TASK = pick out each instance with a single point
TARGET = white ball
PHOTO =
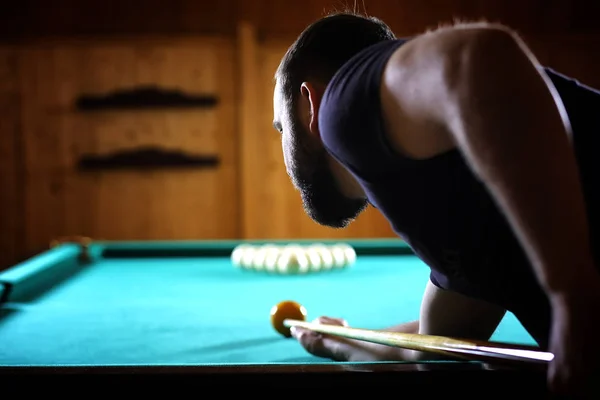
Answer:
(315, 260)
(303, 262)
(258, 258)
(248, 257)
(349, 253)
(325, 255)
(272, 256)
(294, 248)
(238, 254)
(269, 253)
(293, 261)
(339, 257)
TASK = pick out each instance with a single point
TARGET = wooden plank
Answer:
(177, 204)
(250, 141)
(42, 150)
(166, 204)
(276, 18)
(10, 160)
(576, 56)
(29, 18)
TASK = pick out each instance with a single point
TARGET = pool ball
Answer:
(315, 260)
(271, 259)
(286, 310)
(259, 257)
(324, 254)
(348, 251)
(237, 255)
(248, 257)
(293, 260)
(339, 256)
(270, 256)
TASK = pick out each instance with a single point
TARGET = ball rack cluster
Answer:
(293, 258)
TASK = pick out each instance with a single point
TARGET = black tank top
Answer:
(442, 211)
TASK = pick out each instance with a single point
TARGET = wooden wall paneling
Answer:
(166, 204)
(584, 16)
(527, 15)
(280, 18)
(276, 18)
(11, 211)
(57, 203)
(28, 18)
(538, 46)
(577, 56)
(251, 148)
(97, 68)
(45, 161)
(280, 214)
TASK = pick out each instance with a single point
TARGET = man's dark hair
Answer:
(324, 46)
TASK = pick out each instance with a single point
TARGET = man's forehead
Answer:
(277, 88)
(277, 98)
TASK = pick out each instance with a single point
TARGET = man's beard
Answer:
(322, 199)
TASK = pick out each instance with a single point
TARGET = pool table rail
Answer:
(433, 378)
(26, 280)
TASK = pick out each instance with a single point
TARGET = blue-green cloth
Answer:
(203, 311)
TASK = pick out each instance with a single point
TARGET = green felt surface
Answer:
(201, 310)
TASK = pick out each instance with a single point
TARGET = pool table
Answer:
(155, 310)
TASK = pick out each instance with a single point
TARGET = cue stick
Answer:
(467, 349)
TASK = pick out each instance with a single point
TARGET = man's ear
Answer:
(313, 94)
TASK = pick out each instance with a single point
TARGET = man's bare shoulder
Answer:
(418, 83)
(443, 44)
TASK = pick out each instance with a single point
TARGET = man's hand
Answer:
(575, 370)
(332, 347)
(344, 349)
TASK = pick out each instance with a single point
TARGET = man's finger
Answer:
(319, 345)
(331, 321)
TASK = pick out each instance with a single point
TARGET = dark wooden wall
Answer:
(52, 52)
(280, 17)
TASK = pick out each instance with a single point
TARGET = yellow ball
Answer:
(286, 310)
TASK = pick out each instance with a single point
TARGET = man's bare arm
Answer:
(442, 313)
(445, 313)
(479, 89)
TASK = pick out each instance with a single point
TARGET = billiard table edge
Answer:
(433, 378)
(26, 280)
